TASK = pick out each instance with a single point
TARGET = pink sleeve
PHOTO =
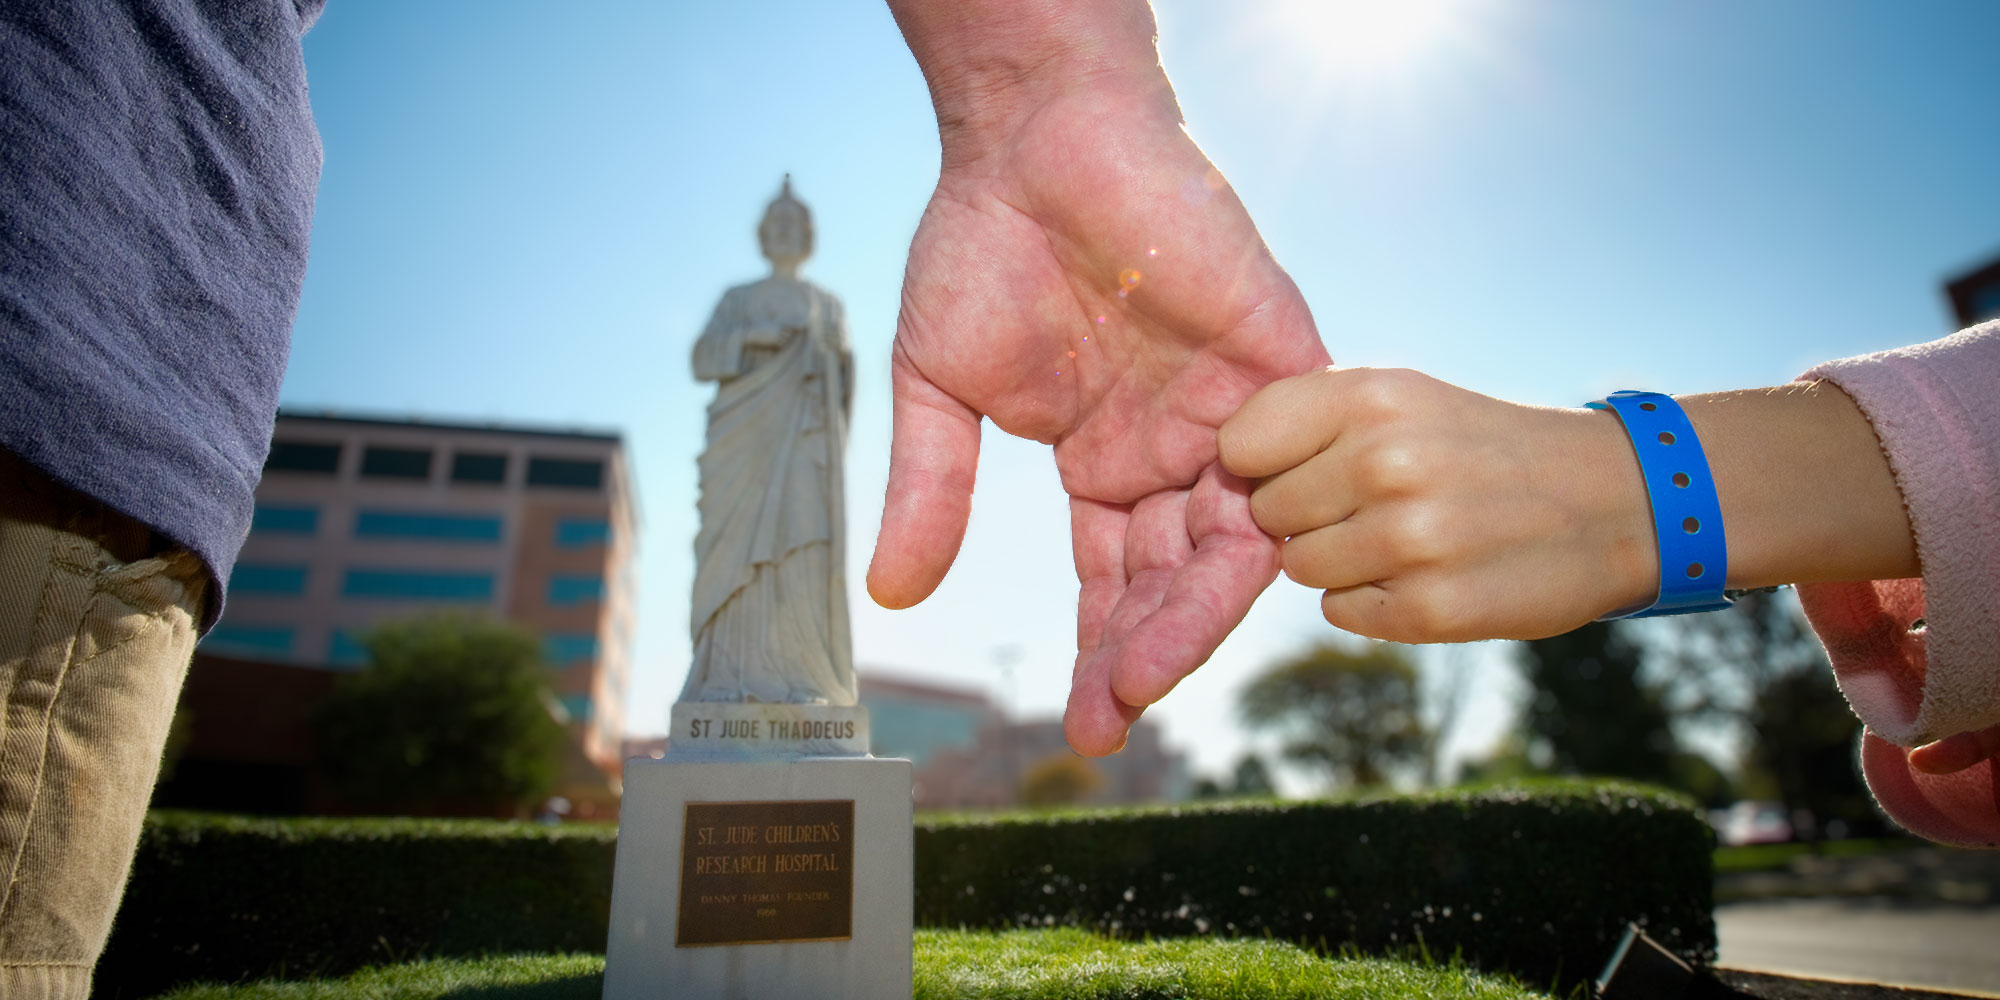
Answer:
(1919, 660)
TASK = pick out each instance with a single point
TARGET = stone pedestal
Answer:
(747, 869)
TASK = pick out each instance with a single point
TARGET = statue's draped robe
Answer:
(770, 597)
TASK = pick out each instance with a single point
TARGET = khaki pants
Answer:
(97, 621)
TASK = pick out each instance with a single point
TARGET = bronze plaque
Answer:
(762, 872)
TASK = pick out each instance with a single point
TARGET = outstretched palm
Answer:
(1093, 284)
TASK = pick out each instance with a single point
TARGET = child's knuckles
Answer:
(1415, 536)
(1381, 395)
(1390, 467)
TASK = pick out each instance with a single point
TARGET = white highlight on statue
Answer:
(770, 594)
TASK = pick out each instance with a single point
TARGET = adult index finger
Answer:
(933, 456)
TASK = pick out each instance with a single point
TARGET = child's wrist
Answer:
(1683, 505)
(1624, 549)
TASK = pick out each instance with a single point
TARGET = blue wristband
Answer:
(1687, 516)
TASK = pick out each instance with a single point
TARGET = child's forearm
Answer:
(1807, 495)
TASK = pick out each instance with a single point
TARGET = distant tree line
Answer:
(1614, 699)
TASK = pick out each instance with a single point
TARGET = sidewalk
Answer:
(1927, 917)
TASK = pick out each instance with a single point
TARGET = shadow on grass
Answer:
(586, 987)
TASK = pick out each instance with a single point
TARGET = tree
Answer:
(452, 715)
(1353, 716)
(1757, 667)
(1592, 713)
(1061, 778)
(1253, 779)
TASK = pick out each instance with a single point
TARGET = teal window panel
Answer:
(564, 648)
(575, 588)
(577, 705)
(416, 585)
(582, 532)
(427, 526)
(257, 578)
(249, 640)
(285, 520)
(344, 650)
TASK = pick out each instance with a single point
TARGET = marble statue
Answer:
(770, 596)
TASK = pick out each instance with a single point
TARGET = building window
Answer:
(562, 649)
(252, 578)
(396, 463)
(413, 585)
(344, 650)
(472, 467)
(578, 707)
(431, 527)
(285, 520)
(569, 473)
(582, 532)
(566, 589)
(248, 640)
(298, 456)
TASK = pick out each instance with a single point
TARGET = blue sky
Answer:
(528, 210)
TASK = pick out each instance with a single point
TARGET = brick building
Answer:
(967, 753)
(362, 520)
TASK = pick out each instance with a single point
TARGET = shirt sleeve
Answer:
(1919, 659)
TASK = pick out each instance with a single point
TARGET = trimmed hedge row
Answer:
(224, 898)
(1536, 881)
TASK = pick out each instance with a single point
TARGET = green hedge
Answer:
(225, 899)
(1536, 881)
(1539, 882)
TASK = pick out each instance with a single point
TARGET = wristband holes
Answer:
(1695, 571)
(1691, 525)
(1649, 407)
(1681, 480)
(1666, 437)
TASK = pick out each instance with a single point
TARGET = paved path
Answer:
(1877, 939)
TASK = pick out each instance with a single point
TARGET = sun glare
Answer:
(1368, 44)
(1371, 37)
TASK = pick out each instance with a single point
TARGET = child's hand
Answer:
(1429, 513)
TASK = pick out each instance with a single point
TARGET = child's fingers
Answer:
(1348, 554)
(1318, 492)
(1404, 611)
(1284, 424)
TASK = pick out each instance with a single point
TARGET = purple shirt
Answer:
(157, 168)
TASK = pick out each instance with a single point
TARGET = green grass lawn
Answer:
(1057, 964)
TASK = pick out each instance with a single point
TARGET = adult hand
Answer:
(1083, 276)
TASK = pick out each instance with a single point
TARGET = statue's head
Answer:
(786, 233)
